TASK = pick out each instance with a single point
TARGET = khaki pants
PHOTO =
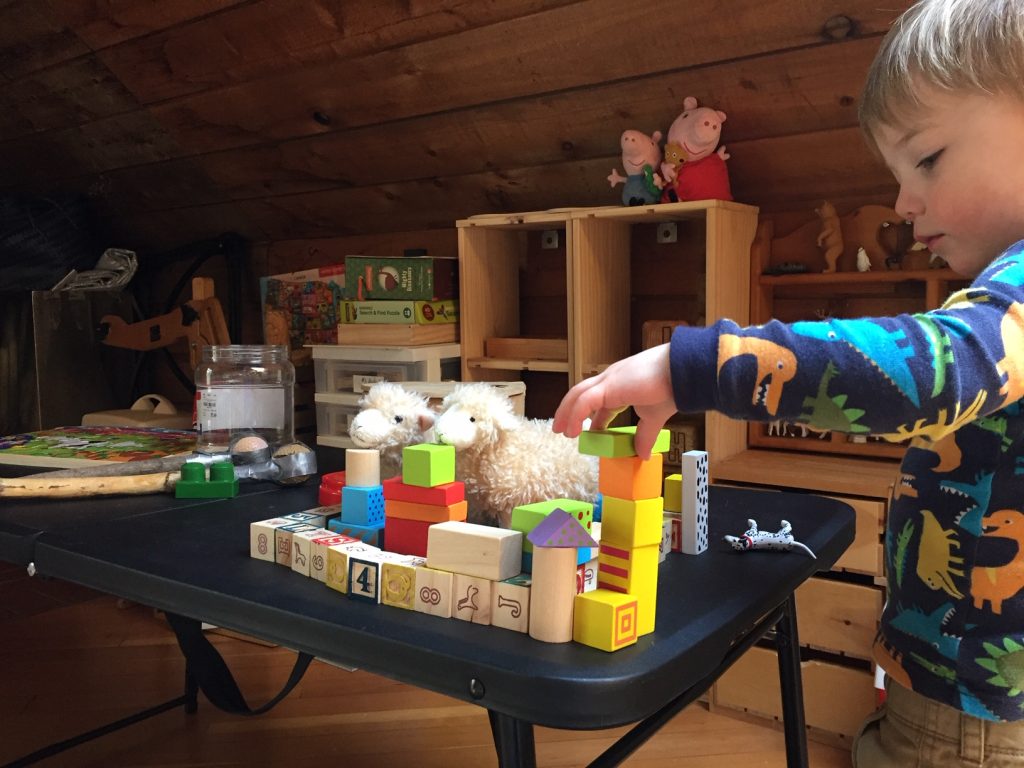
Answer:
(911, 731)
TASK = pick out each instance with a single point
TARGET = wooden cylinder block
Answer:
(552, 594)
(362, 467)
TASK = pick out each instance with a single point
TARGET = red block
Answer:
(406, 537)
(439, 496)
(330, 488)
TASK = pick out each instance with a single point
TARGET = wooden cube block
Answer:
(528, 516)
(368, 534)
(604, 619)
(428, 465)
(318, 554)
(407, 537)
(586, 577)
(510, 603)
(471, 599)
(695, 502)
(627, 524)
(475, 550)
(431, 513)
(398, 582)
(302, 546)
(337, 563)
(362, 506)
(434, 591)
(673, 493)
(666, 539)
(313, 517)
(675, 520)
(362, 467)
(635, 572)
(441, 495)
(283, 541)
(630, 477)
(616, 442)
(364, 577)
(262, 538)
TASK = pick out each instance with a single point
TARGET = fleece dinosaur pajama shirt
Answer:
(950, 380)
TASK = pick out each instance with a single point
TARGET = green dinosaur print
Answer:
(827, 413)
(941, 346)
(1006, 664)
(900, 553)
(939, 670)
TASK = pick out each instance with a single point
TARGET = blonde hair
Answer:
(954, 45)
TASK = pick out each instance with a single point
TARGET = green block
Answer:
(617, 442)
(193, 484)
(428, 464)
(528, 516)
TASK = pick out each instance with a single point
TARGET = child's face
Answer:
(959, 160)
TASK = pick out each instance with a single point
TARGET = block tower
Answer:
(686, 504)
(426, 493)
(631, 531)
(362, 498)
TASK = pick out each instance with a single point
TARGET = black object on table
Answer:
(190, 559)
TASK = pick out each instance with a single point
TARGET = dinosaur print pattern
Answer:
(951, 383)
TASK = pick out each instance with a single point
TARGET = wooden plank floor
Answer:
(71, 660)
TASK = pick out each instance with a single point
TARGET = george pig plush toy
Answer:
(695, 170)
(641, 156)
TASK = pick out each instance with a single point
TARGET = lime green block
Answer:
(428, 464)
(528, 516)
(617, 442)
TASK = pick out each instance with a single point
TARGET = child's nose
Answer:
(909, 205)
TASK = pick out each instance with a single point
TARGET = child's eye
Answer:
(929, 162)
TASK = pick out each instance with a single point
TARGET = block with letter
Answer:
(475, 550)
(318, 554)
(428, 465)
(628, 523)
(586, 577)
(616, 442)
(471, 598)
(283, 539)
(434, 592)
(666, 539)
(695, 502)
(364, 577)
(302, 548)
(262, 538)
(630, 477)
(510, 603)
(338, 562)
(398, 582)
(604, 619)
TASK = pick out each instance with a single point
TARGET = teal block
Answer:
(366, 533)
(528, 516)
(617, 442)
(428, 464)
(363, 506)
(194, 483)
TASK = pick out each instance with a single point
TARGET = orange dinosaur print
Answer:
(1012, 330)
(994, 585)
(775, 366)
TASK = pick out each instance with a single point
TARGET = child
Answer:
(944, 106)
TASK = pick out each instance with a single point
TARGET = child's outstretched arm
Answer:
(643, 381)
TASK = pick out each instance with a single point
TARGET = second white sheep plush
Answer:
(506, 460)
(391, 417)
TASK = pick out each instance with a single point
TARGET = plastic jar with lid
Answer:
(246, 389)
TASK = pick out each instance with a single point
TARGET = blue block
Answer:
(371, 535)
(363, 506)
(597, 508)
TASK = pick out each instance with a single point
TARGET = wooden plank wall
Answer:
(315, 127)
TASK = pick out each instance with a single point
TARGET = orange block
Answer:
(630, 477)
(431, 513)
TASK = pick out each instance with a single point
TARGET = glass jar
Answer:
(244, 389)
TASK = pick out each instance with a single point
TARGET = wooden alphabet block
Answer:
(362, 468)
(398, 582)
(434, 591)
(363, 506)
(364, 578)
(630, 477)
(673, 493)
(666, 539)
(302, 546)
(604, 619)
(318, 554)
(262, 538)
(510, 603)
(283, 541)
(428, 465)
(337, 563)
(586, 577)
(312, 516)
(442, 495)
(431, 513)
(617, 442)
(627, 524)
(675, 520)
(471, 599)
(475, 550)
(695, 502)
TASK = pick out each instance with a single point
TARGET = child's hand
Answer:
(643, 381)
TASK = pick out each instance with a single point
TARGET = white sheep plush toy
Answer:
(391, 417)
(506, 460)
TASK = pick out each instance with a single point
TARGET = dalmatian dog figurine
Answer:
(781, 540)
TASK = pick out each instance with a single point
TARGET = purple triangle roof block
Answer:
(560, 529)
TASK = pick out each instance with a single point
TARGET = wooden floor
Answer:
(71, 660)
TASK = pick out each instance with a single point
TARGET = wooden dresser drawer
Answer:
(838, 617)
(865, 554)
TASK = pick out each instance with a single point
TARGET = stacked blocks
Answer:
(526, 517)
(362, 498)
(631, 533)
(194, 483)
(686, 504)
(427, 493)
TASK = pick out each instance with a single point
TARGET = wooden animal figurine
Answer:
(781, 540)
(830, 238)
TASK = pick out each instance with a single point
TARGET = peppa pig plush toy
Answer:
(641, 156)
(695, 170)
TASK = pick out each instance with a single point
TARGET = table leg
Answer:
(191, 691)
(788, 644)
(513, 740)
